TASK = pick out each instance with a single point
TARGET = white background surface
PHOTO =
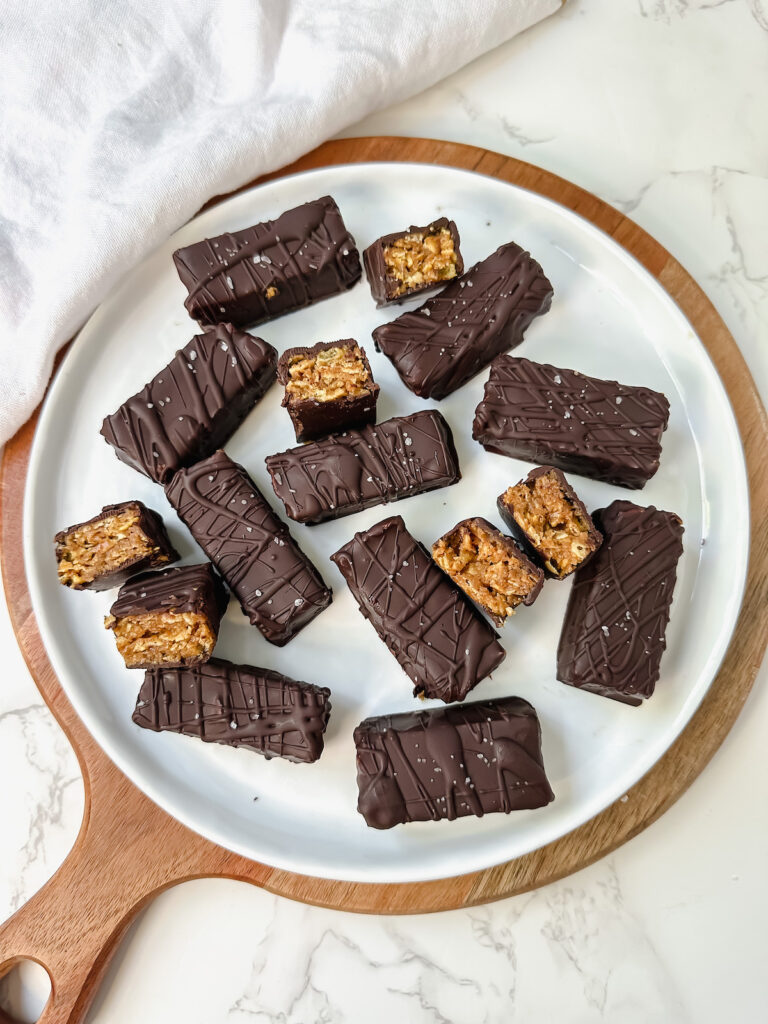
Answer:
(659, 107)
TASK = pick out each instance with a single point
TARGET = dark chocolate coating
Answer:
(447, 763)
(382, 285)
(276, 584)
(439, 346)
(305, 255)
(312, 419)
(613, 635)
(439, 639)
(194, 404)
(349, 472)
(153, 528)
(527, 543)
(598, 428)
(239, 706)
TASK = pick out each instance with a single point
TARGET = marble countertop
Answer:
(658, 106)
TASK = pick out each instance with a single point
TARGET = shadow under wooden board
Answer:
(128, 850)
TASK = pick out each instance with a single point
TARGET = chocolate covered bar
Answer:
(412, 262)
(264, 271)
(448, 763)
(598, 428)
(613, 635)
(439, 346)
(440, 641)
(349, 472)
(122, 540)
(276, 584)
(489, 567)
(194, 404)
(168, 618)
(239, 706)
(544, 514)
(328, 387)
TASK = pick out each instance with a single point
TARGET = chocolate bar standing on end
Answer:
(489, 567)
(278, 588)
(613, 635)
(273, 268)
(449, 339)
(239, 706)
(545, 515)
(328, 387)
(407, 263)
(168, 618)
(103, 552)
(349, 472)
(447, 763)
(598, 428)
(440, 640)
(194, 404)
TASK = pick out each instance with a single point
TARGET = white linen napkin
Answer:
(118, 120)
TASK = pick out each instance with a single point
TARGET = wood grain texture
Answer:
(128, 850)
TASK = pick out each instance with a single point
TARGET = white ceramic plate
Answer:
(609, 318)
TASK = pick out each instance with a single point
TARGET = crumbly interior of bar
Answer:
(418, 260)
(162, 638)
(554, 525)
(329, 374)
(486, 568)
(102, 547)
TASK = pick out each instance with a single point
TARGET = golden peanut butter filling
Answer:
(417, 260)
(103, 547)
(485, 568)
(329, 374)
(554, 525)
(162, 638)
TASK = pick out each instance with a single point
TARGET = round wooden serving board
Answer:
(128, 850)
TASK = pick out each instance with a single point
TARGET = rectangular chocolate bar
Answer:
(349, 472)
(122, 540)
(439, 346)
(440, 641)
(448, 763)
(613, 635)
(329, 387)
(168, 618)
(489, 567)
(264, 271)
(278, 588)
(545, 515)
(598, 428)
(413, 262)
(239, 706)
(194, 404)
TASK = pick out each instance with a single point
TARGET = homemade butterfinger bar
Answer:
(412, 262)
(346, 473)
(277, 586)
(239, 706)
(598, 428)
(328, 387)
(447, 763)
(489, 567)
(194, 404)
(545, 516)
(264, 271)
(168, 618)
(613, 635)
(439, 346)
(122, 540)
(441, 642)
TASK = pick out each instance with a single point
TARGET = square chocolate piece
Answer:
(413, 262)
(329, 387)
(122, 540)
(168, 618)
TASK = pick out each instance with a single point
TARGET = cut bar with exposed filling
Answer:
(417, 260)
(162, 638)
(552, 519)
(488, 567)
(328, 374)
